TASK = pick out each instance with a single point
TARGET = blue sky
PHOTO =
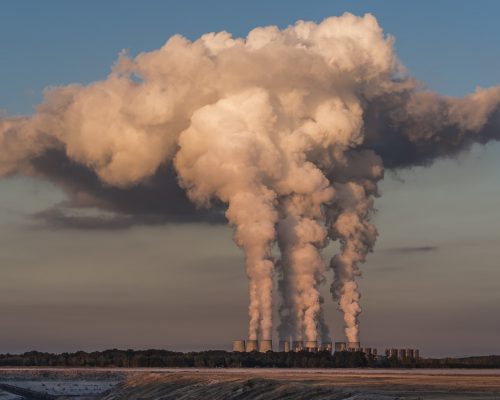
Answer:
(55, 284)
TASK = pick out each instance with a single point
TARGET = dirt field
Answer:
(263, 384)
(318, 384)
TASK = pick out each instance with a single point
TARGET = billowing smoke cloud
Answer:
(288, 131)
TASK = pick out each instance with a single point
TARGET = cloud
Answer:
(410, 249)
(290, 129)
(159, 200)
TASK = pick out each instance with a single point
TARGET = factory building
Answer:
(264, 346)
(368, 351)
(313, 346)
(401, 354)
(354, 346)
(340, 346)
(326, 347)
(297, 345)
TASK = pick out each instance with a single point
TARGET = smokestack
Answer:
(354, 346)
(284, 346)
(340, 346)
(298, 189)
(265, 346)
(252, 345)
(239, 345)
(297, 345)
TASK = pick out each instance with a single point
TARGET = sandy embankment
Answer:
(295, 385)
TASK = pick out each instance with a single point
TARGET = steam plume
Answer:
(289, 129)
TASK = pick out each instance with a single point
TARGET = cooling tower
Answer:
(284, 345)
(239, 345)
(355, 346)
(401, 353)
(367, 351)
(297, 345)
(265, 346)
(311, 346)
(340, 346)
(252, 345)
(416, 353)
(410, 353)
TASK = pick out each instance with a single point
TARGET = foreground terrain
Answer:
(254, 384)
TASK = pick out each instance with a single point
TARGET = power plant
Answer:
(354, 346)
(340, 346)
(252, 345)
(239, 346)
(265, 346)
(402, 354)
(286, 346)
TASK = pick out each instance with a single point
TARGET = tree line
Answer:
(222, 359)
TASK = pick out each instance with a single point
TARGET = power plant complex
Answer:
(286, 346)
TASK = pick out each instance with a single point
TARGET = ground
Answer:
(258, 384)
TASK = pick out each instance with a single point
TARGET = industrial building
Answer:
(286, 346)
(264, 346)
(402, 354)
(340, 346)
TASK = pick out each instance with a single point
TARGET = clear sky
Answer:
(433, 281)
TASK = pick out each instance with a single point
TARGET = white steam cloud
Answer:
(291, 129)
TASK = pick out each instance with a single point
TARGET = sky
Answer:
(432, 282)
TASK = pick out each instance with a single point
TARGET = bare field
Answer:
(263, 384)
(319, 384)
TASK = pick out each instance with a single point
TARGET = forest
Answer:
(222, 359)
